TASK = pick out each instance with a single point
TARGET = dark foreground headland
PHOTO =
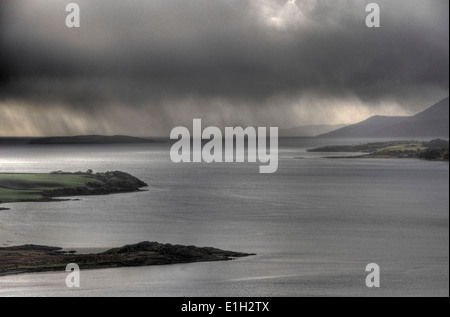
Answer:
(32, 258)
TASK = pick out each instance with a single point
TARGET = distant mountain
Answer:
(309, 130)
(91, 139)
(433, 122)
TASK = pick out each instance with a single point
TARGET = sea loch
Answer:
(213, 150)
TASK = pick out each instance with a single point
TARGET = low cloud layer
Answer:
(142, 67)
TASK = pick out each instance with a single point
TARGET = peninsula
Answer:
(46, 187)
(32, 258)
(435, 150)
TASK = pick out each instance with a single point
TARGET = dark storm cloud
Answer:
(147, 54)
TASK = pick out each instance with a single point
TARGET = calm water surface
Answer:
(314, 225)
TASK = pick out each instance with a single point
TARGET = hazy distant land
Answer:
(309, 130)
(32, 258)
(91, 139)
(44, 187)
(436, 150)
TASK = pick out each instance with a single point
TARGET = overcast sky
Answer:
(142, 67)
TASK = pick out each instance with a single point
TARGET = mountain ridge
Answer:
(432, 122)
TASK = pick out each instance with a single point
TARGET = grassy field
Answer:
(435, 150)
(394, 146)
(403, 147)
(29, 187)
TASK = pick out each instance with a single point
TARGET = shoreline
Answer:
(56, 200)
(47, 187)
(435, 150)
(374, 156)
(38, 259)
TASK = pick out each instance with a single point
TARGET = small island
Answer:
(435, 150)
(46, 187)
(33, 258)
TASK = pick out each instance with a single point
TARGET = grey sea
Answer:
(314, 225)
